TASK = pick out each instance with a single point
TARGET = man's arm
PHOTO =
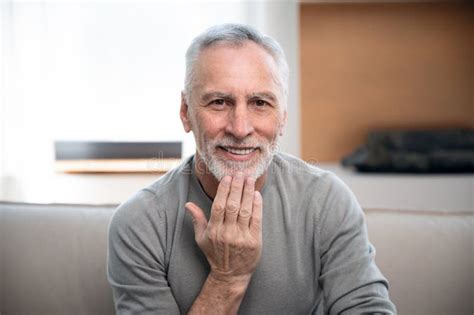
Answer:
(351, 281)
(231, 242)
(136, 266)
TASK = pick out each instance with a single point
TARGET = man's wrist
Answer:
(232, 283)
(221, 294)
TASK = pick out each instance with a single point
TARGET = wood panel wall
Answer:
(373, 65)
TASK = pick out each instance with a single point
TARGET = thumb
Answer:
(199, 219)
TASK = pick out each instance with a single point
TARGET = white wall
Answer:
(3, 22)
(104, 70)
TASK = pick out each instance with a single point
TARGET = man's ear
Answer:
(283, 122)
(184, 113)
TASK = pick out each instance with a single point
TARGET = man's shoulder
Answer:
(161, 196)
(299, 175)
(173, 181)
(294, 167)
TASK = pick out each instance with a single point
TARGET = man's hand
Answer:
(231, 240)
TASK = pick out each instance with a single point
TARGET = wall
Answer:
(108, 71)
(382, 65)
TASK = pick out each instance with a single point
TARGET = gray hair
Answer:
(235, 34)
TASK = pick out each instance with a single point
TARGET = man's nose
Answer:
(240, 124)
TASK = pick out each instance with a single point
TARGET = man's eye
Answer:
(261, 103)
(219, 102)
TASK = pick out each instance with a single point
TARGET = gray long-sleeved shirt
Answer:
(316, 258)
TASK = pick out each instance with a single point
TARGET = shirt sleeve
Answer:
(350, 279)
(136, 260)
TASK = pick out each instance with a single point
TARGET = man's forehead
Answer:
(230, 46)
(235, 71)
(244, 50)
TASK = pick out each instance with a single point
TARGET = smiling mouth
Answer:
(238, 151)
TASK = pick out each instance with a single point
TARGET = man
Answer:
(264, 232)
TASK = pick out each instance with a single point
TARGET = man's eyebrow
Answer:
(214, 94)
(211, 95)
(265, 95)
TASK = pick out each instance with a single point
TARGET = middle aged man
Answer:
(265, 232)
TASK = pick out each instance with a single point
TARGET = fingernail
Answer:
(258, 195)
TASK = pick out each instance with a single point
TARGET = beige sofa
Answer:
(53, 259)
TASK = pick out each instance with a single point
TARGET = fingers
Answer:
(237, 201)
(199, 219)
(256, 219)
(247, 203)
(234, 200)
(219, 204)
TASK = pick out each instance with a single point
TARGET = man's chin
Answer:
(220, 166)
(247, 172)
(252, 169)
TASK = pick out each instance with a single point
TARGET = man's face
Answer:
(235, 109)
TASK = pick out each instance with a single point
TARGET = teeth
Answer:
(240, 151)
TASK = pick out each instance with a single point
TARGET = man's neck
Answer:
(209, 183)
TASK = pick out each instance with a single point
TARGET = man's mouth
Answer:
(239, 151)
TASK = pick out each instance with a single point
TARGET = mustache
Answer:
(232, 142)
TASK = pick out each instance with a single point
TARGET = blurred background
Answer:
(111, 72)
(108, 71)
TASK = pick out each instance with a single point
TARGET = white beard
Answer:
(253, 168)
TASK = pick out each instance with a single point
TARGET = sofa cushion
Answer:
(53, 259)
(427, 256)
